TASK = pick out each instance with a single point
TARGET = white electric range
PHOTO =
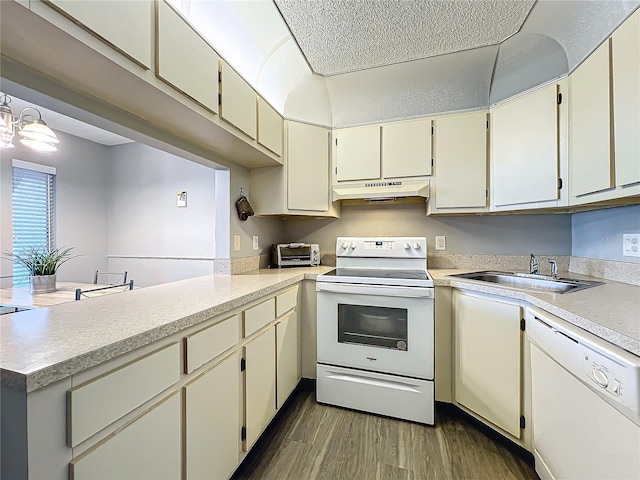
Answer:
(376, 328)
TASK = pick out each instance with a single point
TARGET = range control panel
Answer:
(382, 247)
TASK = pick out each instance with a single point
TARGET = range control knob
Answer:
(600, 377)
(353, 246)
(344, 245)
(406, 246)
(416, 246)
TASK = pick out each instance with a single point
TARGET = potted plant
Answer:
(42, 264)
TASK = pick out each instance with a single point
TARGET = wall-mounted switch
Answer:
(631, 244)
(255, 242)
(441, 242)
(236, 243)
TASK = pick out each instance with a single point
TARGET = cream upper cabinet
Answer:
(149, 448)
(357, 153)
(238, 102)
(270, 127)
(626, 100)
(487, 359)
(125, 24)
(590, 125)
(185, 60)
(259, 384)
(212, 427)
(460, 161)
(406, 149)
(308, 161)
(524, 149)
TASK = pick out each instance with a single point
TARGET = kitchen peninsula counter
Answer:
(610, 311)
(41, 346)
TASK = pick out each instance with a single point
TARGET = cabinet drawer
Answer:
(286, 301)
(210, 342)
(99, 402)
(256, 317)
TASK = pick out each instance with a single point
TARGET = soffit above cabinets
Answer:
(343, 36)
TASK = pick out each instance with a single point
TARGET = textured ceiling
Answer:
(341, 36)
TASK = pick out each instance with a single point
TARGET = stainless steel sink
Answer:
(538, 283)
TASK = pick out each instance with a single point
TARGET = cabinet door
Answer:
(239, 101)
(125, 24)
(487, 359)
(212, 432)
(358, 153)
(406, 149)
(308, 167)
(147, 448)
(188, 64)
(626, 100)
(259, 384)
(524, 163)
(460, 145)
(270, 127)
(591, 166)
(287, 358)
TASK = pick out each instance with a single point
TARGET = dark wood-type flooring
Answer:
(309, 441)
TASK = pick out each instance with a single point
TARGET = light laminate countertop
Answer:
(44, 345)
(610, 311)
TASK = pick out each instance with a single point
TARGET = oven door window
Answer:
(382, 327)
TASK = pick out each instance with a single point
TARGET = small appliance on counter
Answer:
(295, 255)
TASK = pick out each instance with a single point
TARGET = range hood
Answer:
(381, 190)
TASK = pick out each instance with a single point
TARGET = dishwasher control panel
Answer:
(604, 372)
(607, 369)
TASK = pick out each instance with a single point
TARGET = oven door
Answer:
(379, 328)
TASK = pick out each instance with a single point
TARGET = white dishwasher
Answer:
(585, 403)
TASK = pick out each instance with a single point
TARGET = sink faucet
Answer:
(534, 265)
(554, 268)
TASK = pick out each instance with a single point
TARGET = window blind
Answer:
(33, 215)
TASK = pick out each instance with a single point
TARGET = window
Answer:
(33, 209)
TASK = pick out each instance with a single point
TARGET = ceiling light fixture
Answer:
(30, 126)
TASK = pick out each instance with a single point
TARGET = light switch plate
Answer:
(255, 242)
(236, 243)
(441, 242)
(631, 244)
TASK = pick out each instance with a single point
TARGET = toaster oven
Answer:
(295, 254)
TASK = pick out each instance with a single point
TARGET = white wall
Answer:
(489, 234)
(149, 235)
(81, 202)
(269, 230)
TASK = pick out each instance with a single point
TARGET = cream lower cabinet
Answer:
(259, 384)
(288, 372)
(212, 414)
(148, 448)
(487, 359)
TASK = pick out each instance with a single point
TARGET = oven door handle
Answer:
(377, 290)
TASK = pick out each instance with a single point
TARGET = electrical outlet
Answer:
(236, 243)
(255, 242)
(441, 242)
(631, 244)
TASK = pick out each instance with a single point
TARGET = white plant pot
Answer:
(43, 283)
